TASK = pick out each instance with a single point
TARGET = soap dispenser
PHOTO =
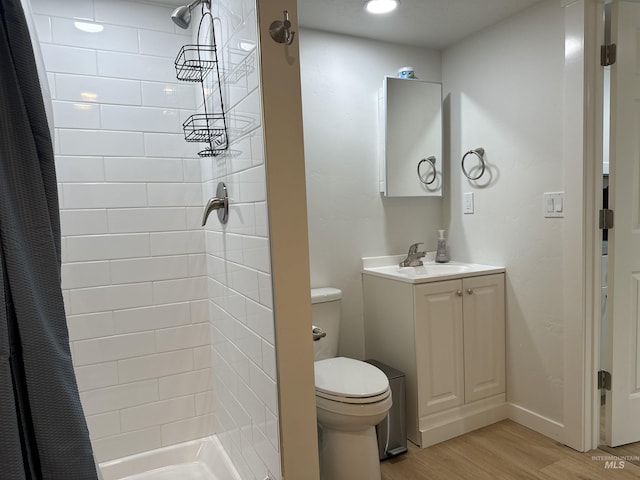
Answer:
(442, 254)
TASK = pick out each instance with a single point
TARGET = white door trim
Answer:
(583, 35)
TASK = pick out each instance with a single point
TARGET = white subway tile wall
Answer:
(172, 327)
(245, 406)
(134, 270)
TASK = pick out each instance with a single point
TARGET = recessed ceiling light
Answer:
(381, 6)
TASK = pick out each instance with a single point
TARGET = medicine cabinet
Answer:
(411, 150)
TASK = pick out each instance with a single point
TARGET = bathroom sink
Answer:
(428, 272)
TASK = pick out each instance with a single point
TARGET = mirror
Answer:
(412, 149)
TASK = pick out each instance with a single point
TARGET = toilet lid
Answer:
(346, 377)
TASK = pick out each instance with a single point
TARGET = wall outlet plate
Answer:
(553, 204)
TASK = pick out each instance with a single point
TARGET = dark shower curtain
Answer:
(43, 434)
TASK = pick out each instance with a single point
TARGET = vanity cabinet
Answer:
(449, 338)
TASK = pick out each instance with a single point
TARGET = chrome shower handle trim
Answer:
(220, 203)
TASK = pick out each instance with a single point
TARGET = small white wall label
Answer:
(553, 204)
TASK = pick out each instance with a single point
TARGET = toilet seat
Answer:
(347, 380)
(349, 412)
(355, 400)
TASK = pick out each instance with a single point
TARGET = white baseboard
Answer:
(451, 423)
(534, 421)
(438, 427)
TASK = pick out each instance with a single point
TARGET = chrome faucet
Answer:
(413, 257)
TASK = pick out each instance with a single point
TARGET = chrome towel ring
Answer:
(478, 152)
(431, 161)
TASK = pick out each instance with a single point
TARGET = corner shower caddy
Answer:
(193, 64)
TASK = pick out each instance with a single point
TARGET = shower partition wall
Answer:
(245, 402)
(153, 301)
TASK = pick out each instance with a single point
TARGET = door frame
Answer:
(592, 12)
(582, 168)
(593, 206)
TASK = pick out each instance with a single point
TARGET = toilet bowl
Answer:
(351, 398)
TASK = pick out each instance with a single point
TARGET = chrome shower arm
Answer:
(195, 3)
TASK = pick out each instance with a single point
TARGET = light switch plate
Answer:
(553, 204)
(467, 203)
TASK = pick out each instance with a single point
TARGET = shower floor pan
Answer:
(203, 459)
(193, 471)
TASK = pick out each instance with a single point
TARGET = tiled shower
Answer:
(171, 324)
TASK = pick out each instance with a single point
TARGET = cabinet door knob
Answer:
(469, 291)
(459, 293)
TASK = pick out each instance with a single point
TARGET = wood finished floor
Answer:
(503, 451)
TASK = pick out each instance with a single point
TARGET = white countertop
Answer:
(388, 267)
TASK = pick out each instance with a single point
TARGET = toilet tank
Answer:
(325, 314)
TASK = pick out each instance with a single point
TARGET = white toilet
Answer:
(352, 397)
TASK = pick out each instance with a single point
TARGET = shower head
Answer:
(181, 16)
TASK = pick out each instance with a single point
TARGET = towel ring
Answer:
(431, 161)
(478, 152)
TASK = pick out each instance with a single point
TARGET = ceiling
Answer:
(426, 23)
(172, 3)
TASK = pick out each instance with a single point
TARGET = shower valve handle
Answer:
(220, 203)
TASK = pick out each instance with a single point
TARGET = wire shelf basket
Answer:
(207, 128)
(194, 62)
(211, 152)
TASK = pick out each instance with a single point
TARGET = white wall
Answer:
(348, 217)
(503, 91)
(245, 401)
(133, 253)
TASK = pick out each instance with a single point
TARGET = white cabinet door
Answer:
(439, 344)
(484, 336)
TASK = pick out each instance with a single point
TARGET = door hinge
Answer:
(604, 380)
(606, 219)
(608, 55)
